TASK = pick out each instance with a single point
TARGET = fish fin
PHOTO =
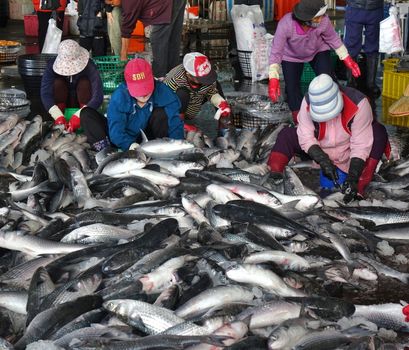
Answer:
(144, 137)
(290, 205)
(264, 179)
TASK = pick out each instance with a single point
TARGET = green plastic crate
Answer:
(308, 73)
(111, 69)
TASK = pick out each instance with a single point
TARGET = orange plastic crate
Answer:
(282, 7)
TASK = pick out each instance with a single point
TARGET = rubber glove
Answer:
(61, 121)
(353, 66)
(274, 89)
(58, 116)
(350, 186)
(224, 109)
(74, 123)
(133, 146)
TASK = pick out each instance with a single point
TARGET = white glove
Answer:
(133, 146)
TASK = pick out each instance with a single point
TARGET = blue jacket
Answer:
(90, 71)
(126, 118)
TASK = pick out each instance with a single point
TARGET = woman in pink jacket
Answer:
(337, 130)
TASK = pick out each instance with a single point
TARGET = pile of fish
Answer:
(193, 244)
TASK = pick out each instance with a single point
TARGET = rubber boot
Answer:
(277, 162)
(372, 89)
(100, 145)
(295, 117)
(367, 175)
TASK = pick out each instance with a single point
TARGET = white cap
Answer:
(198, 65)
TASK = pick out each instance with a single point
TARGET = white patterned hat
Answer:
(71, 58)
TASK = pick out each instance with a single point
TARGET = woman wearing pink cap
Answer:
(141, 103)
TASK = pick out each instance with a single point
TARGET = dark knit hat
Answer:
(306, 10)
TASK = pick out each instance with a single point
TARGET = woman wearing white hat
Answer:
(71, 80)
(337, 130)
(305, 35)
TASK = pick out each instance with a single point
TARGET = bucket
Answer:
(31, 68)
(329, 184)
(245, 62)
(68, 113)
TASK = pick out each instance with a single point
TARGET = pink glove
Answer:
(74, 123)
(61, 121)
(274, 89)
(353, 66)
(224, 109)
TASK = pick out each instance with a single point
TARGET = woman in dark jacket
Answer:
(71, 81)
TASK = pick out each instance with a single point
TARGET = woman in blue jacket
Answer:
(141, 103)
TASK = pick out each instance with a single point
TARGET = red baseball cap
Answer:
(198, 65)
(139, 77)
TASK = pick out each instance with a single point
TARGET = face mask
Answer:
(312, 24)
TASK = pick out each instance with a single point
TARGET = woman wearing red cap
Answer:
(305, 35)
(195, 82)
(141, 103)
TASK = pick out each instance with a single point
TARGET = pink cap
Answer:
(139, 77)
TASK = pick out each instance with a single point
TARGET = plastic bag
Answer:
(390, 36)
(260, 58)
(52, 38)
(248, 25)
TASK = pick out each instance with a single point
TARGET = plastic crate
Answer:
(308, 73)
(394, 83)
(111, 69)
(388, 119)
(31, 25)
(245, 62)
(390, 63)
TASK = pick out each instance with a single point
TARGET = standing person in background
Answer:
(45, 14)
(71, 80)
(92, 25)
(114, 19)
(305, 35)
(166, 18)
(366, 14)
